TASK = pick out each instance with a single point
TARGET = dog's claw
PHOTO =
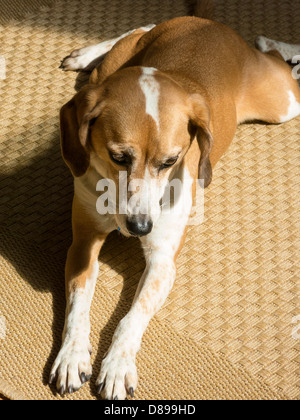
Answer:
(131, 392)
(62, 63)
(83, 378)
(51, 379)
(100, 388)
(62, 390)
(70, 389)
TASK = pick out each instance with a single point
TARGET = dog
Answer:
(163, 102)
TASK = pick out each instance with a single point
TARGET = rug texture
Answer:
(227, 331)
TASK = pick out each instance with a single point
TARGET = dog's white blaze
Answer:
(171, 224)
(153, 193)
(294, 108)
(151, 90)
(146, 200)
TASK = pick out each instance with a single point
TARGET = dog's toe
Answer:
(117, 379)
(72, 368)
(76, 53)
(70, 63)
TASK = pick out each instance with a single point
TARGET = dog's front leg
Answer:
(118, 372)
(72, 367)
(118, 376)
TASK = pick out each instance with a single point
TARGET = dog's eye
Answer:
(120, 159)
(169, 163)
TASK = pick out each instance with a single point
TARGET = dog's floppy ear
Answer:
(75, 118)
(199, 120)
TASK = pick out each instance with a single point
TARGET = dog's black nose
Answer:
(139, 226)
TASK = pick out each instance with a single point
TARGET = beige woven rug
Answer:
(226, 331)
(16, 9)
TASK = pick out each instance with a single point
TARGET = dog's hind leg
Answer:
(271, 92)
(88, 58)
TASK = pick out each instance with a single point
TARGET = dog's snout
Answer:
(139, 226)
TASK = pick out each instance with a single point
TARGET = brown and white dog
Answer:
(163, 103)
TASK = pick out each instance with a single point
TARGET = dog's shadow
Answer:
(35, 211)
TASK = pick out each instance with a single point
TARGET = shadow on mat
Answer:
(35, 213)
(109, 12)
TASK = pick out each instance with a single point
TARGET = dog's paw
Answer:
(264, 44)
(72, 368)
(77, 60)
(118, 377)
(85, 58)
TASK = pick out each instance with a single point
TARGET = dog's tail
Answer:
(204, 9)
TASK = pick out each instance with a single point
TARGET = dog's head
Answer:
(139, 121)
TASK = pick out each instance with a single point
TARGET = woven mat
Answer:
(17, 9)
(225, 332)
